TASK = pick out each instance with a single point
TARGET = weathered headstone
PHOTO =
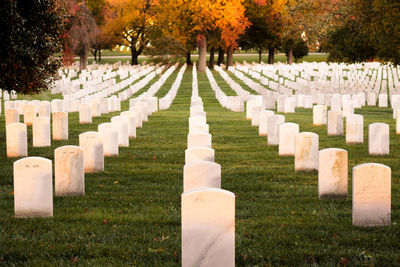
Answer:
(33, 187)
(69, 171)
(208, 228)
(378, 139)
(44, 109)
(17, 140)
(29, 114)
(60, 126)
(287, 133)
(332, 173)
(335, 123)
(92, 144)
(371, 195)
(354, 129)
(319, 115)
(306, 152)
(41, 132)
(11, 115)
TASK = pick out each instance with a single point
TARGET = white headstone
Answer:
(332, 173)
(199, 139)
(199, 153)
(335, 123)
(44, 109)
(60, 126)
(69, 171)
(11, 115)
(319, 115)
(306, 152)
(29, 114)
(208, 228)
(85, 113)
(41, 132)
(371, 195)
(131, 122)
(201, 174)
(17, 140)
(378, 139)
(287, 133)
(354, 129)
(122, 124)
(92, 144)
(33, 187)
(273, 129)
(110, 138)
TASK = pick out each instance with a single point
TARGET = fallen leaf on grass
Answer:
(116, 182)
(156, 250)
(343, 261)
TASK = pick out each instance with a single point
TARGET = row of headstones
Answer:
(208, 212)
(33, 192)
(6, 96)
(371, 204)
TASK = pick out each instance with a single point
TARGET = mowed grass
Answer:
(130, 215)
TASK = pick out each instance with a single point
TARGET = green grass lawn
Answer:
(130, 215)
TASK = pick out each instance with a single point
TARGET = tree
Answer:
(199, 20)
(265, 27)
(29, 37)
(102, 40)
(132, 22)
(83, 31)
(299, 48)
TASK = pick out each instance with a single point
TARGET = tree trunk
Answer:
(290, 57)
(99, 55)
(95, 55)
(260, 55)
(221, 58)
(271, 56)
(83, 60)
(229, 56)
(188, 60)
(134, 57)
(202, 54)
(212, 61)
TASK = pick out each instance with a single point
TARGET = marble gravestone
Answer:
(92, 144)
(199, 153)
(11, 115)
(255, 116)
(383, 100)
(378, 139)
(199, 139)
(33, 187)
(332, 173)
(138, 112)
(122, 125)
(69, 171)
(319, 115)
(335, 123)
(60, 125)
(263, 124)
(201, 174)
(110, 138)
(354, 129)
(371, 195)
(287, 133)
(273, 129)
(44, 109)
(29, 114)
(131, 122)
(208, 228)
(306, 152)
(41, 132)
(199, 127)
(17, 140)
(96, 108)
(85, 113)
